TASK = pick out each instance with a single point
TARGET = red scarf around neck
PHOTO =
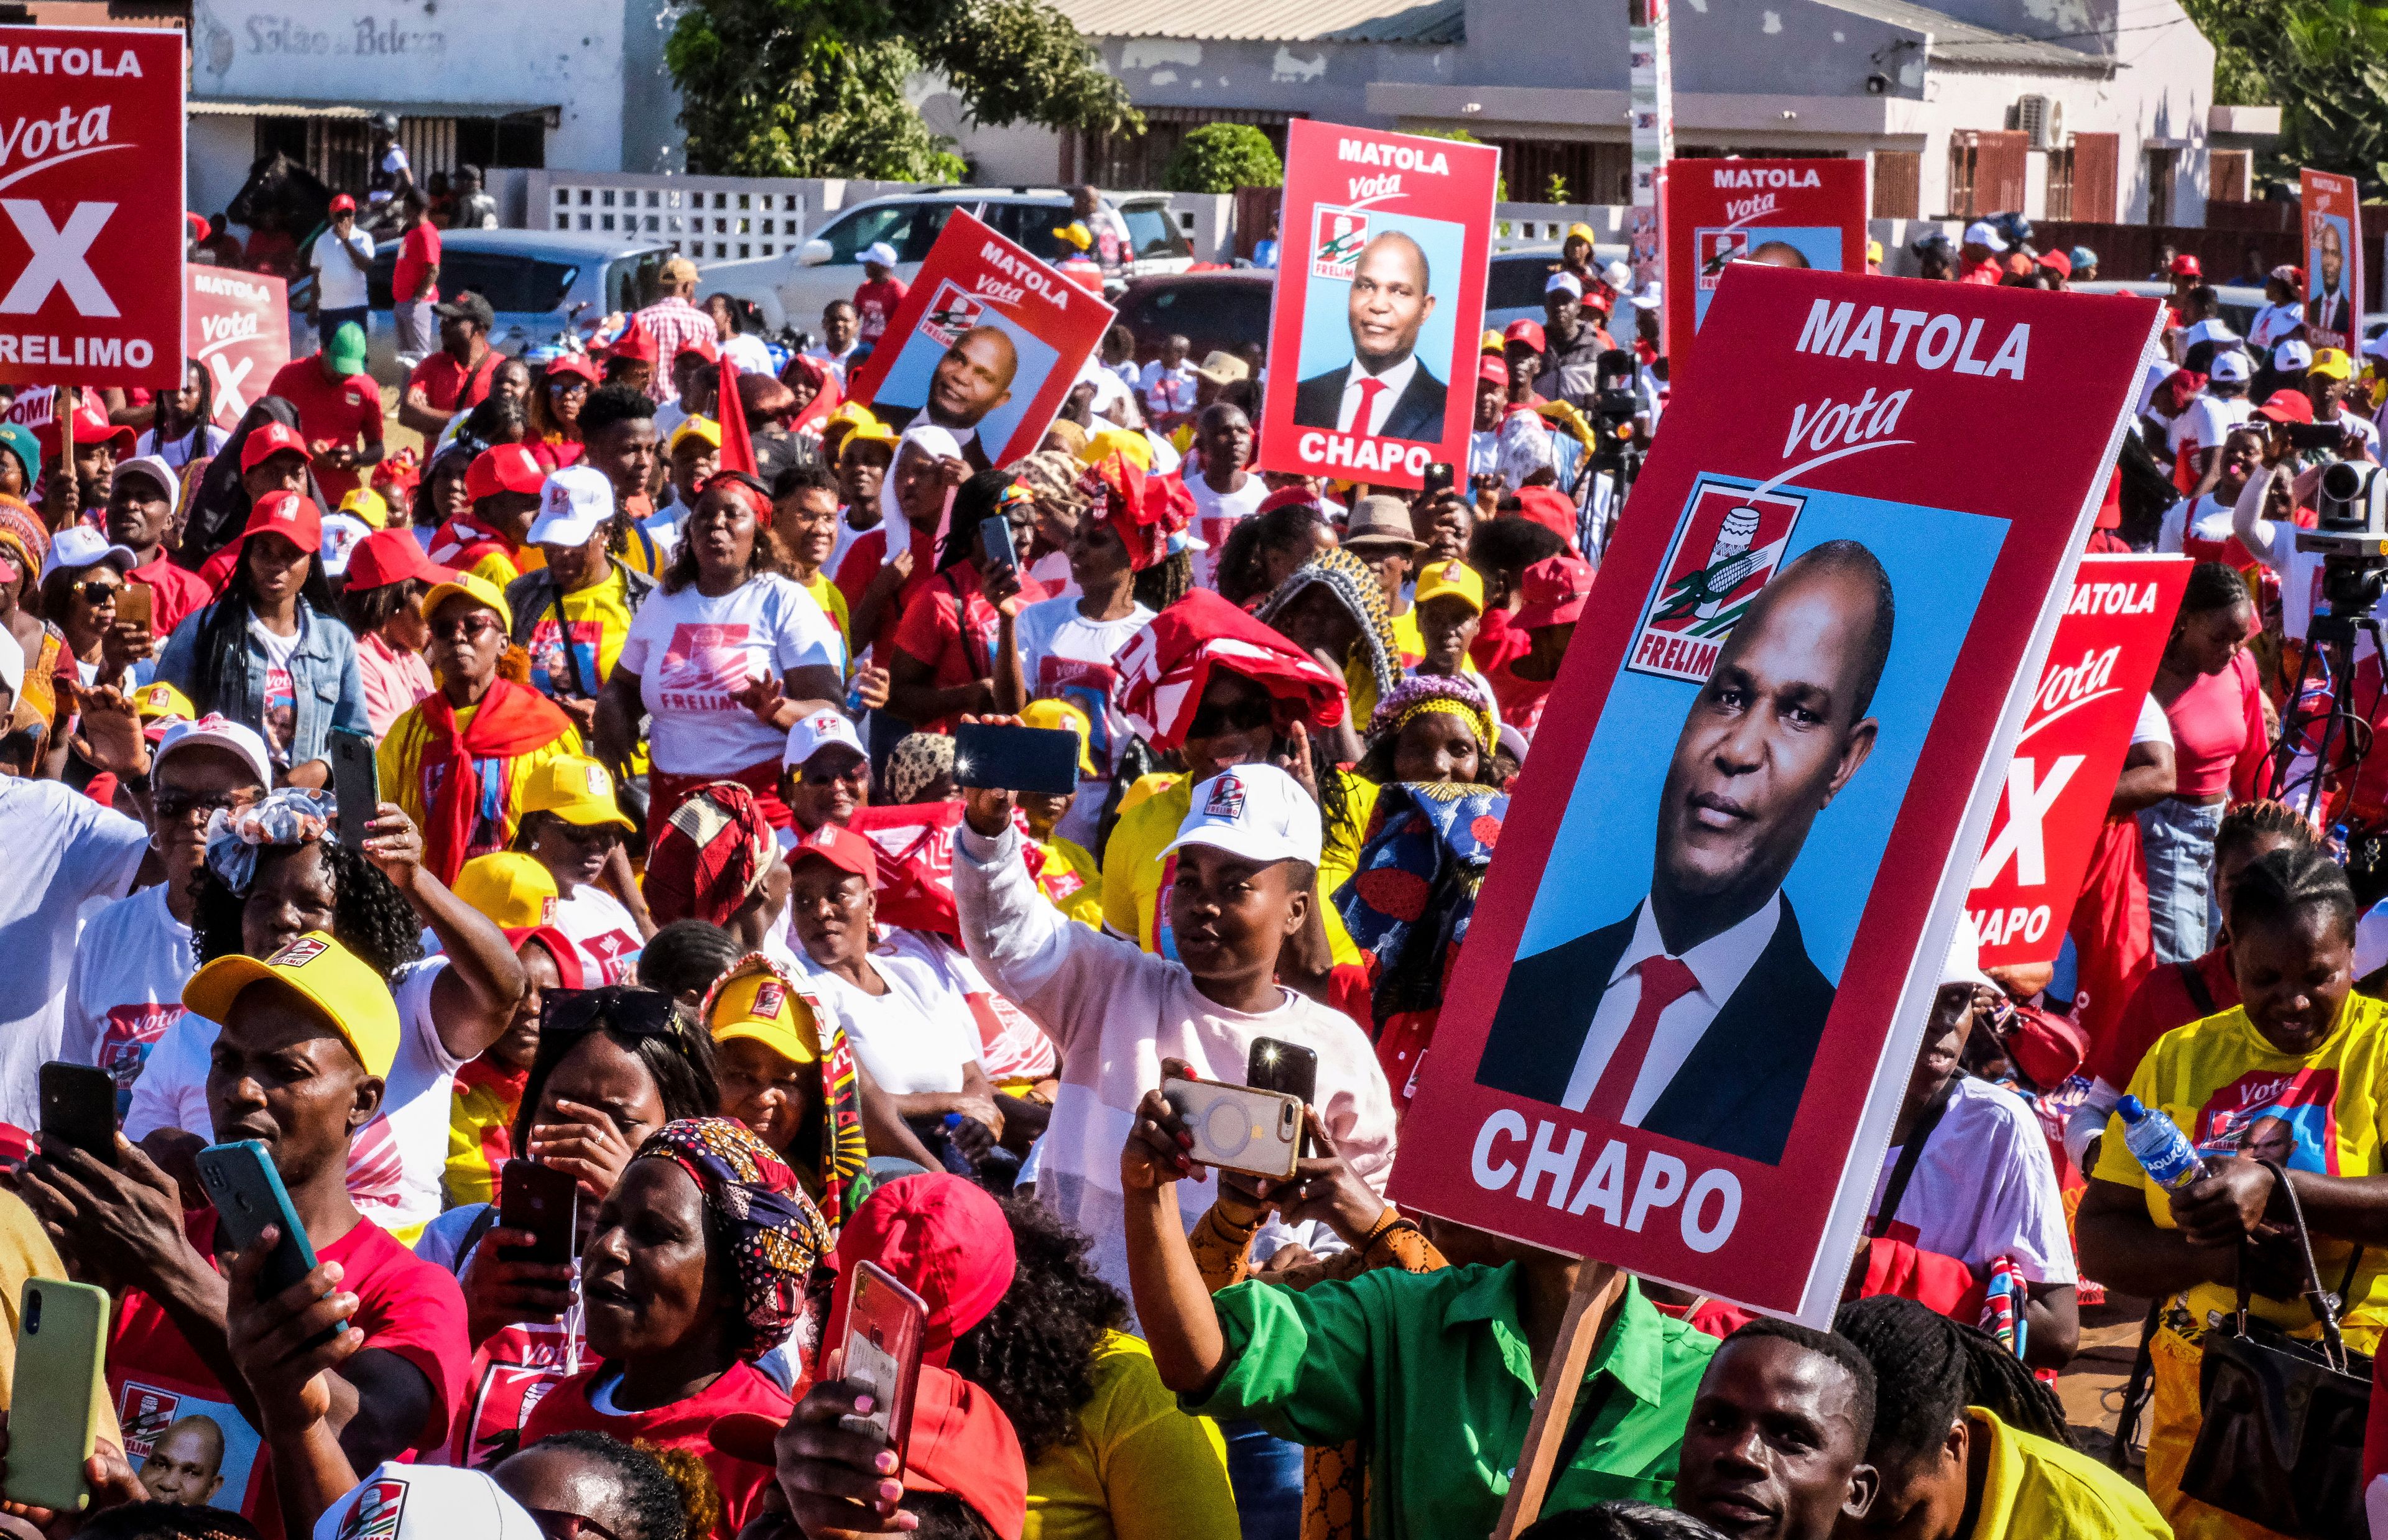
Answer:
(513, 719)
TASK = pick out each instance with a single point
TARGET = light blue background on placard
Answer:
(2313, 262)
(1821, 243)
(908, 379)
(1599, 868)
(1326, 302)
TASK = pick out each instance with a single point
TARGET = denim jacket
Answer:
(329, 688)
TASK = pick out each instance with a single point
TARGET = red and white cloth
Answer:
(1165, 667)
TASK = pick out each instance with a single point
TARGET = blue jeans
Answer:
(2178, 841)
(1266, 1473)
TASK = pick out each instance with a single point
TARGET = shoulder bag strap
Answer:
(2317, 1298)
(2193, 981)
(564, 639)
(982, 666)
(1909, 1154)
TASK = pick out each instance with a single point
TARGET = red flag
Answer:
(737, 448)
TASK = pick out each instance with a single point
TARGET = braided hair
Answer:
(2282, 885)
(646, 1491)
(1165, 581)
(1928, 1369)
(2249, 822)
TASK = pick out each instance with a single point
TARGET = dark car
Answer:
(1217, 311)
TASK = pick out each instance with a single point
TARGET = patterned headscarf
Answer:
(20, 529)
(754, 1207)
(1349, 579)
(1051, 477)
(1146, 511)
(1524, 447)
(714, 851)
(1423, 693)
(917, 759)
(1164, 669)
(293, 815)
(843, 1155)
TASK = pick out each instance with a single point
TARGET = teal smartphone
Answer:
(248, 1196)
(61, 1348)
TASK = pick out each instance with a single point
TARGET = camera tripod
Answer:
(2343, 729)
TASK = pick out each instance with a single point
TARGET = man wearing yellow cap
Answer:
(2327, 380)
(308, 1036)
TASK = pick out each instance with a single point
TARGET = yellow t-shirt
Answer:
(1150, 812)
(832, 602)
(2032, 1488)
(399, 763)
(2220, 1081)
(1410, 639)
(599, 620)
(1140, 1467)
(1085, 903)
(497, 569)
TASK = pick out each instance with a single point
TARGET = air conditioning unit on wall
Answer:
(2041, 121)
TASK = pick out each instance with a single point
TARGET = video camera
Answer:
(1615, 404)
(2350, 534)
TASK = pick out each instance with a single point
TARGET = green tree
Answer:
(2325, 62)
(1461, 136)
(816, 87)
(1220, 158)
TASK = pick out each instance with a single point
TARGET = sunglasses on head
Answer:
(1247, 716)
(617, 1007)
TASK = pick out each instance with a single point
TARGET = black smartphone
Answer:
(995, 542)
(1440, 478)
(356, 785)
(544, 1201)
(79, 1107)
(1277, 1065)
(998, 756)
(2316, 436)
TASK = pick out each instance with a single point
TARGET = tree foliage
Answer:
(1220, 158)
(2325, 62)
(816, 87)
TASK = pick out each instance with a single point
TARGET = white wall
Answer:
(218, 153)
(2162, 94)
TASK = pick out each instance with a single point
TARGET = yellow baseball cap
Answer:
(1106, 442)
(1451, 580)
(510, 887)
(162, 703)
(765, 1007)
(1492, 342)
(368, 505)
(872, 431)
(2331, 363)
(704, 428)
(577, 790)
(479, 590)
(1075, 234)
(1053, 714)
(352, 997)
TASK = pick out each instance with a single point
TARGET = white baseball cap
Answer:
(221, 732)
(80, 546)
(1254, 811)
(822, 729)
(2230, 368)
(2293, 355)
(1618, 276)
(426, 1502)
(2212, 329)
(1649, 298)
(573, 504)
(1983, 233)
(1564, 280)
(1964, 964)
(156, 468)
(881, 253)
(12, 668)
(342, 534)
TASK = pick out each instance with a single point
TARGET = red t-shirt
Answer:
(348, 412)
(863, 559)
(177, 593)
(405, 1305)
(418, 252)
(682, 1425)
(448, 386)
(933, 632)
(875, 304)
(2160, 1004)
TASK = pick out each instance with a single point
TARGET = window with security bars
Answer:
(719, 224)
(339, 150)
(1124, 161)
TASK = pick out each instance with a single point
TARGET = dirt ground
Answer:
(2092, 1387)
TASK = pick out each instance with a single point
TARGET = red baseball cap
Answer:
(1548, 507)
(942, 1237)
(389, 556)
(1493, 368)
(266, 441)
(503, 468)
(2287, 405)
(290, 516)
(2185, 266)
(343, 204)
(635, 342)
(842, 848)
(1527, 332)
(1554, 591)
(961, 1444)
(575, 365)
(91, 427)
(2057, 263)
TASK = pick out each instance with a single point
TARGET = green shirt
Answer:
(1432, 1372)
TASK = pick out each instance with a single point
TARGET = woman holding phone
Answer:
(955, 648)
(695, 1270)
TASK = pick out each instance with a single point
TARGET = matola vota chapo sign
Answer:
(1384, 240)
(91, 205)
(1703, 961)
(1786, 213)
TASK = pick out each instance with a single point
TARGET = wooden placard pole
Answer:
(1597, 1285)
(62, 412)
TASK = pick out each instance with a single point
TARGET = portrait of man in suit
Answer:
(1386, 391)
(2325, 311)
(1696, 1015)
(972, 379)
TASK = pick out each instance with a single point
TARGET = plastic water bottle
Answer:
(2162, 1150)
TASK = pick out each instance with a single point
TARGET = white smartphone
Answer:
(1237, 1128)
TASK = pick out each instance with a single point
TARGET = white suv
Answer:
(793, 288)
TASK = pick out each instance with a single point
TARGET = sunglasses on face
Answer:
(639, 1013)
(174, 806)
(97, 592)
(586, 835)
(1249, 715)
(465, 629)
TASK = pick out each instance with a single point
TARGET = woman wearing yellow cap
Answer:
(573, 825)
(788, 1074)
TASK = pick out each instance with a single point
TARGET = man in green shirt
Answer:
(1436, 1373)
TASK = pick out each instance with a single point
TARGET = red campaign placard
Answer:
(2062, 777)
(239, 328)
(988, 340)
(2333, 212)
(1701, 966)
(91, 205)
(1788, 213)
(1379, 304)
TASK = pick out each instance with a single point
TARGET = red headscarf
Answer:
(1165, 667)
(710, 855)
(1143, 509)
(2180, 388)
(514, 719)
(826, 397)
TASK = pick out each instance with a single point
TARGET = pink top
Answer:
(2217, 733)
(394, 681)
